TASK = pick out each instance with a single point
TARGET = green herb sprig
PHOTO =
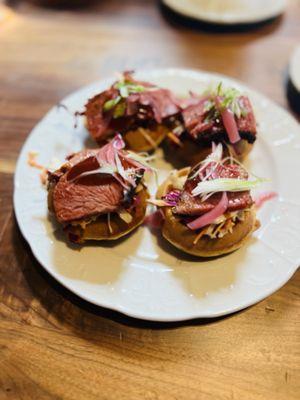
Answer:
(125, 88)
(229, 99)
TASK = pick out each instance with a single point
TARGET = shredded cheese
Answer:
(31, 160)
(32, 155)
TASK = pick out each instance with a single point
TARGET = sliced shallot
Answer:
(263, 197)
(211, 216)
(228, 121)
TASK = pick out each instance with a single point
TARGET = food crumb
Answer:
(31, 160)
(269, 309)
(286, 376)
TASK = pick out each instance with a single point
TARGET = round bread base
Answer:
(135, 140)
(192, 153)
(182, 237)
(152, 138)
(99, 229)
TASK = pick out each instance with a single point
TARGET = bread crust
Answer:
(183, 238)
(137, 141)
(192, 153)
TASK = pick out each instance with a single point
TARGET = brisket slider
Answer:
(140, 111)
(99, 194)
(208, 210)
(220, 116)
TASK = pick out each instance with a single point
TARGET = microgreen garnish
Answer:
(210, 181)
(119, 110)
(109, 104)
(229, 98)
(125, 88)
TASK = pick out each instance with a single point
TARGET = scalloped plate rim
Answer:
(134, 313)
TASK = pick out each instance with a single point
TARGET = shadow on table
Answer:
(56, 4)
(179, 20)
(293, 97)
(52, 294)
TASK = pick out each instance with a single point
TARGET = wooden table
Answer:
(52, 344)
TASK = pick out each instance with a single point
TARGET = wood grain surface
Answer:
(52, 344)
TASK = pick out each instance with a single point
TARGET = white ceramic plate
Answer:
(142, 275)
(228, 12)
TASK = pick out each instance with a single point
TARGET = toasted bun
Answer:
(175, 180)
(143, 139)
(140, 139)
(183, 238)
(192, 153)
(98, 229)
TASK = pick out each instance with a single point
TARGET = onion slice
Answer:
(228, 121)
(209, 217)
(263, 197)
(154, 220)
(118, 142)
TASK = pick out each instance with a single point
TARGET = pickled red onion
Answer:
(209, 217)
(263, 197)
(118, 142)
(228, 121)
(154, 220)
(109, 162)
(172, 197)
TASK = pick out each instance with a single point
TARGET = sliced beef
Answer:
(87, 196)
(159, 103)
(247, 123)
(192, 205)
(97, 121)
(142, 109)
(189, 205)
(72, 161)
(77, 195)
(207, 130)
